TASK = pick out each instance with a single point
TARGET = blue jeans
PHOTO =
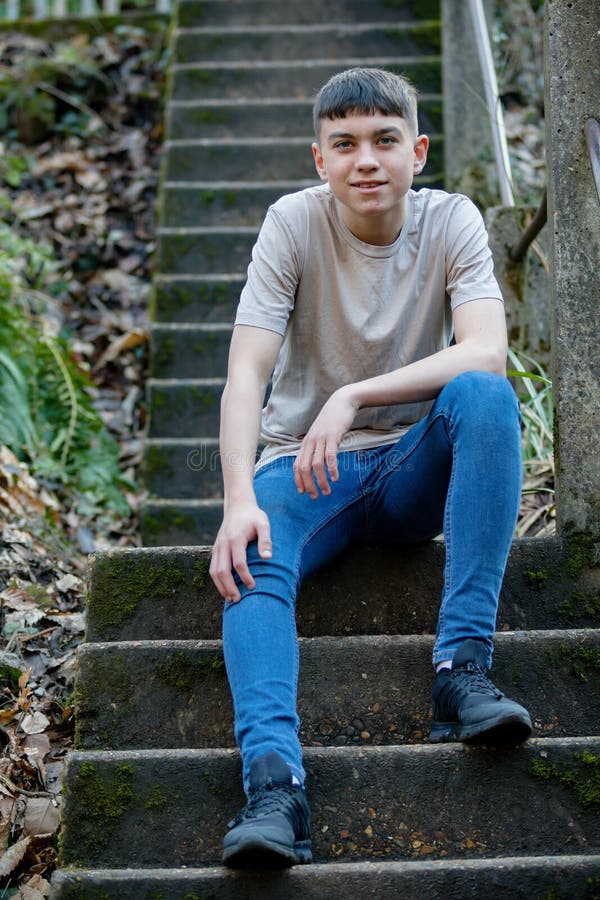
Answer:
(458, 470)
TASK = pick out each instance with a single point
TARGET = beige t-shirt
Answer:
(348, 310)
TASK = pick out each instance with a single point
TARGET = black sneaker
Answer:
(273, 829)
(468, 707)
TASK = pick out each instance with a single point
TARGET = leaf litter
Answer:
(85, 184)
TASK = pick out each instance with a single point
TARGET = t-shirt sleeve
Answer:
(268, 297)
(469, 263)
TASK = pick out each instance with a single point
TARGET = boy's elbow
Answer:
(494, 358)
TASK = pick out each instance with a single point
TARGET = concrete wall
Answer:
(572, 52)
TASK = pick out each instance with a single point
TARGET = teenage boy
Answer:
(379, 428)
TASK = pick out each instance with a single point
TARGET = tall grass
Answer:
(534, 389)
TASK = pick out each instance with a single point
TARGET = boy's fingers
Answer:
(265, 545)
(331, 462)
(318, 466)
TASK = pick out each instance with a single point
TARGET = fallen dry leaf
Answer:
(13, 856)
(42, 816)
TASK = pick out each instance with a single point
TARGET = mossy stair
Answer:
(155, 777)
(238, 135)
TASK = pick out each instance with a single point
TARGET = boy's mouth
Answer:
(368, 185)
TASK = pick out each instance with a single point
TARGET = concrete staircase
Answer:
(239, 129)
(155, 779)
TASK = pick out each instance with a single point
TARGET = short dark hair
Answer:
(366, 91)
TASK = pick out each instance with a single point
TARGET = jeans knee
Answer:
(487, 389)
(483, 397)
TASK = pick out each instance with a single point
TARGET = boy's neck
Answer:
(379, 231)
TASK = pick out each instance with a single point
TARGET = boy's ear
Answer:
(319, 162)
(420, 151)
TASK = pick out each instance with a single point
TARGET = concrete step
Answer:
(199, 13)
(175, 694)
(187, 204)
(287, 117)
(139, 808)
(183, 469)
(196, 298)
(184, 408)
(517, 878)
(185, 350)
(273, 79)
(325, 41)
(198, 251)
(264, 159)
(165, 522)
(166, 593)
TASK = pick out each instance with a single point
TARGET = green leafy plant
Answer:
(534, 389)
(36, 92)
(46, 412)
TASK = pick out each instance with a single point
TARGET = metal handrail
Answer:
(591, 130)
(490, 83)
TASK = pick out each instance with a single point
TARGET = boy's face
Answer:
(370, 162)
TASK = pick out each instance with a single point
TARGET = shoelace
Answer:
(477, 679)
(471, 678)
(262, 801)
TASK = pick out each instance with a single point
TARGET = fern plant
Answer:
(46, 412)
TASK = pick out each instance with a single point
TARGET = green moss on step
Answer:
(183, 672)
(201, 569)
(209, 116)
(581, 605)
(583, 660)
(117, 590)
(536, 578)
(157, 799)
(580, 552)
(583, 779)
(164, 353)
(156, 461)
(98, 805)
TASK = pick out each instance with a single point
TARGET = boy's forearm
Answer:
(241, 407)
(424, 379)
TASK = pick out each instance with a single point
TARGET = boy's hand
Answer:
(242, 524)
(318, 454)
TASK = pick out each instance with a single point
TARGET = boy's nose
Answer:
(367, 159)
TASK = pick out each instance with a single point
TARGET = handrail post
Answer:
(571, 52)
(492, 95)
(473, 135)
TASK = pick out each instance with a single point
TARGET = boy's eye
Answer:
(387, 140)
(342, 145)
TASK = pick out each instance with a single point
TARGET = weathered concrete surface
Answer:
(314, 41)
(185, 469)
(525, 285)
(185, 406)
(275, 79)
(222, 205)
(266, 159)
(197, 251)
(189, 350)
(265, 12)
(289, 117)
(175, 693)
(137, 809)
(175, 522)
(196, 298)
(523, 878)
(572, 50)
(166, 593)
